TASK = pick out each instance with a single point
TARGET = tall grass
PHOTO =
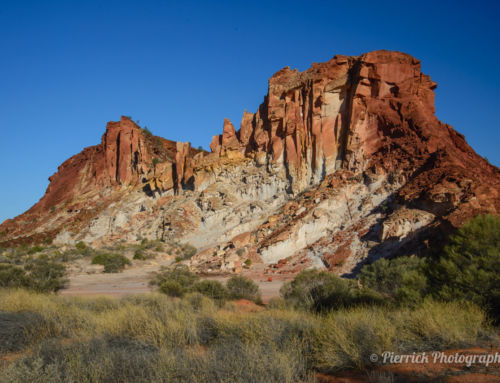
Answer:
(154, 338)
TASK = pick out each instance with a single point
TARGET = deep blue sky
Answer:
(68, 67)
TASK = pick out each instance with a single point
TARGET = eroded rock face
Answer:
(339, 114)
(341, 163)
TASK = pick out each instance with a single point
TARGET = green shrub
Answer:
(248, 262)
(211, 289)
(469, 268)
(45, 275)
(141, 255)
(12, 276)
(243, 288)
(82, 249)
(35, 249)
(156, 161)
(322, 291)
(112, 263)
(404, 279)
(80, 246)
(187, 251)
(178, 273)
(41, 274)
(172, 288)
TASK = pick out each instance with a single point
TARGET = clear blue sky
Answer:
(68, 67)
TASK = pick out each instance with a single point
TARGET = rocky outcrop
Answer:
(341, 163)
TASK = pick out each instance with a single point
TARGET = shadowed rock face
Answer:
(342, 162)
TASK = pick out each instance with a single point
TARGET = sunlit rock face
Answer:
(341, 163)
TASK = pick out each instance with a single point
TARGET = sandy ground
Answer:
(134, 280)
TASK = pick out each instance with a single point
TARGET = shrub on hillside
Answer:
(113, 263)
(186, 250)
(469, 267)
(243, 288)
(322, 291)
(82, 249)
(404, 279)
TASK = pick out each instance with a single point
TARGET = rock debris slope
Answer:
(342, 163)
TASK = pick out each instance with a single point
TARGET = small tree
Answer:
(322, 291)
(404, 278)
(469, 267)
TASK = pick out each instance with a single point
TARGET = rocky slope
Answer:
(341, 163)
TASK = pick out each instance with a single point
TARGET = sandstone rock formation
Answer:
(341, 163)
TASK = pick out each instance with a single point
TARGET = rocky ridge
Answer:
(342, 163)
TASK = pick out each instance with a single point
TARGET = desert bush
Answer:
(139, 254)
(12, 275)
(175, 281)
(243, 288)
(404, 279)
(187, 251)
(41, 274)
(211, 289)
(469, 267)
(172, 288)
(82, 249)
(44, 274)
(322, 291)
(178, 273)
(35, 249)
(16, 329)
(113, 263)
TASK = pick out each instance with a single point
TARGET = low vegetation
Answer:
(243, 288)
(190, 333)
(41, 273)
(179, 281)
(467, 269)
(403, 279)
(112, 263)
(321, 291)
(154, 338)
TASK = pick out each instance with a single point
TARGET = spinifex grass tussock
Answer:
(155, 338)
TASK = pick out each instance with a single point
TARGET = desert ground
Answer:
(88, 280)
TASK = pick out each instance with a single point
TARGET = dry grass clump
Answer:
(347, 338)
(156, 338)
